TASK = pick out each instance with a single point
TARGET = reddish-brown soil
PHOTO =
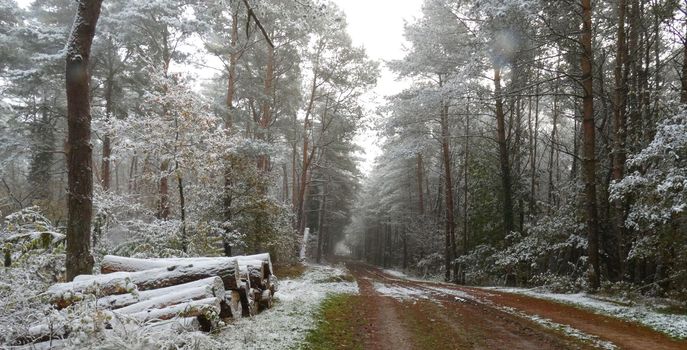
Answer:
(383, 329)
(444, 321)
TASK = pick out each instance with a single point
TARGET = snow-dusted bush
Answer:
(656, 187)
(25, 232)
(550, 252)
(555, 244)
(478, 265)
(657, 178)
(34, 249)
(124, 226)
(431, 265)
(560, 283)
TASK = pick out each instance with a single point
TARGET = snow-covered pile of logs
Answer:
(196, 292)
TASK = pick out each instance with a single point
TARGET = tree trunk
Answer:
(466, 166)
(79, 149)
(307, 157)
(131, 185)
(285, 183)
(589, 151)
(107, 148)
(303, 186)
(321, 218)
(421, 196)
(576, 146)
(632, 71)
(182, 208)
(534, 140)
(405, 251)
(552, 165)
(448, 189)
(294, 177)
(266, 117)
(517, 158)
(227, 206)
(683, 79)
(231, 82)
(619, 135)
(508, 222)
(228, 125)
(163, 206)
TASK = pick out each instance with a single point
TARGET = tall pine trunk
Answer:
(266, 116)
(683, 81)
(79, 149)
(321, 221)
(307, 158)
(450, 248)
(163, 206)
(552, 192)
(589, 146)
(506, 180)
(466, 173)
(619, 135)
(107, 144)
(228, 125)
(421, 195)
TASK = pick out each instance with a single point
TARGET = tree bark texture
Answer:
(107, 144)
(448, 190)
(506, 181)
(421, 197)
(619, 133)
(79, 149)
(589, 146)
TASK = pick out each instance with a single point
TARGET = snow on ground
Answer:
(402, 275)
(671, 324)
(427, 291)
(395, 273)
(293, 314)
(573, 332)
(282, 327)
(456, 294)
(401, 293)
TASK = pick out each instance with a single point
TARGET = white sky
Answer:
(377, 25)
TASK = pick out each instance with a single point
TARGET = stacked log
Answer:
(255, 274)
(65, 294)
(210, 284)
(198, 291)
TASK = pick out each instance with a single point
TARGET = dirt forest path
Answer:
(404, 314)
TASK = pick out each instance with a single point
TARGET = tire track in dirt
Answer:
(622, 334)
(384, 329)
(446, 322)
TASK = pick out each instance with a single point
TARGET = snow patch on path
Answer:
(397, 274)
(670, 324)
(401, 293)
(292, 316)
(456, 294)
